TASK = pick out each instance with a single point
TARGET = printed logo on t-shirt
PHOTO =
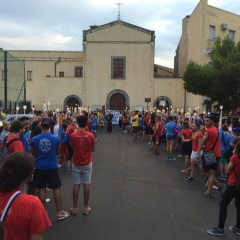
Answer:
(45, 145)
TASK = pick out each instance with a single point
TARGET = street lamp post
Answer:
(24, 108)
(220, 120)
(17, 109)
(48, 106)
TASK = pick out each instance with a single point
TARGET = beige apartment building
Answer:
(199, 32)
(116, 68)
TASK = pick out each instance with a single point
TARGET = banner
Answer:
(115, 114)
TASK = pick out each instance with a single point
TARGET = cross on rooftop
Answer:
(119, 12)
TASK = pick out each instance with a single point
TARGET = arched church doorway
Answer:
(163, 103)
(72, 102)
(117, 102)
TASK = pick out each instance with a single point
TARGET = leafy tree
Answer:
(219, 81)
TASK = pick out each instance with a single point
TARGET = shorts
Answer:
(209, 167)
(187, 148)
(49, 178)
(194, 156)
(170, 137)
(81, 174)
(150, 131)
(223, 159)
(135, 129)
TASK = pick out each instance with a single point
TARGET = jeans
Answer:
(228, 196)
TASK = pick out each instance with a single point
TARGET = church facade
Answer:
(115, 71)
(116, 68)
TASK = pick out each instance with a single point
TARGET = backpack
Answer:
(175, 129)
(4, 149)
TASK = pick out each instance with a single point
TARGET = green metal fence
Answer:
(12, 84)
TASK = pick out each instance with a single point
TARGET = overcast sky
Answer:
(58, 24)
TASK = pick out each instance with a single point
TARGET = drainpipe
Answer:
(56, 65)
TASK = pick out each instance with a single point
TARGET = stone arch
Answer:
(120, 92)
(167, 100)
(76, 100)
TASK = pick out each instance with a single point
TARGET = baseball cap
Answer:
(236, 130)
(46, 121)
(53, 122)
(199, 121)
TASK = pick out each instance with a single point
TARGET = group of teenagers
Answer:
(197, 137)
(27, 173)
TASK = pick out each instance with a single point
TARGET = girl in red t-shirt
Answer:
(196, 139)
(231, 192)
(186, 135)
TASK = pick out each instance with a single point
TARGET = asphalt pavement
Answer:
(136, 195)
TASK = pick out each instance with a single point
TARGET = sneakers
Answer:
(189, 179)
(221, 178)
(149, 143)
(48, 200)
(208, 195)
(184, 171)
(63, 215)
(171, 159)
(216, 232)
(86, 211)
(73, 211)
(235, 230)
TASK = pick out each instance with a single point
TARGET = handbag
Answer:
(209, 157)
(237, 183)
(228, 154)
(8, 205)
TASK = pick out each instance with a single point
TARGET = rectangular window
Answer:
(212, 32)
(118, 67)
(29, 75)
(78, 72)
(231, 35)
(61, 74)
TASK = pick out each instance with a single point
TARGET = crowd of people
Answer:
(204, 141)
(67, 140)
(35, 152)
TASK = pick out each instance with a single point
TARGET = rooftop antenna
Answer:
(119, 12)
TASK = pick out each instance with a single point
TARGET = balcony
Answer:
(210, 45)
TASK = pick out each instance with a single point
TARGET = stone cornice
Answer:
(119, 22)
